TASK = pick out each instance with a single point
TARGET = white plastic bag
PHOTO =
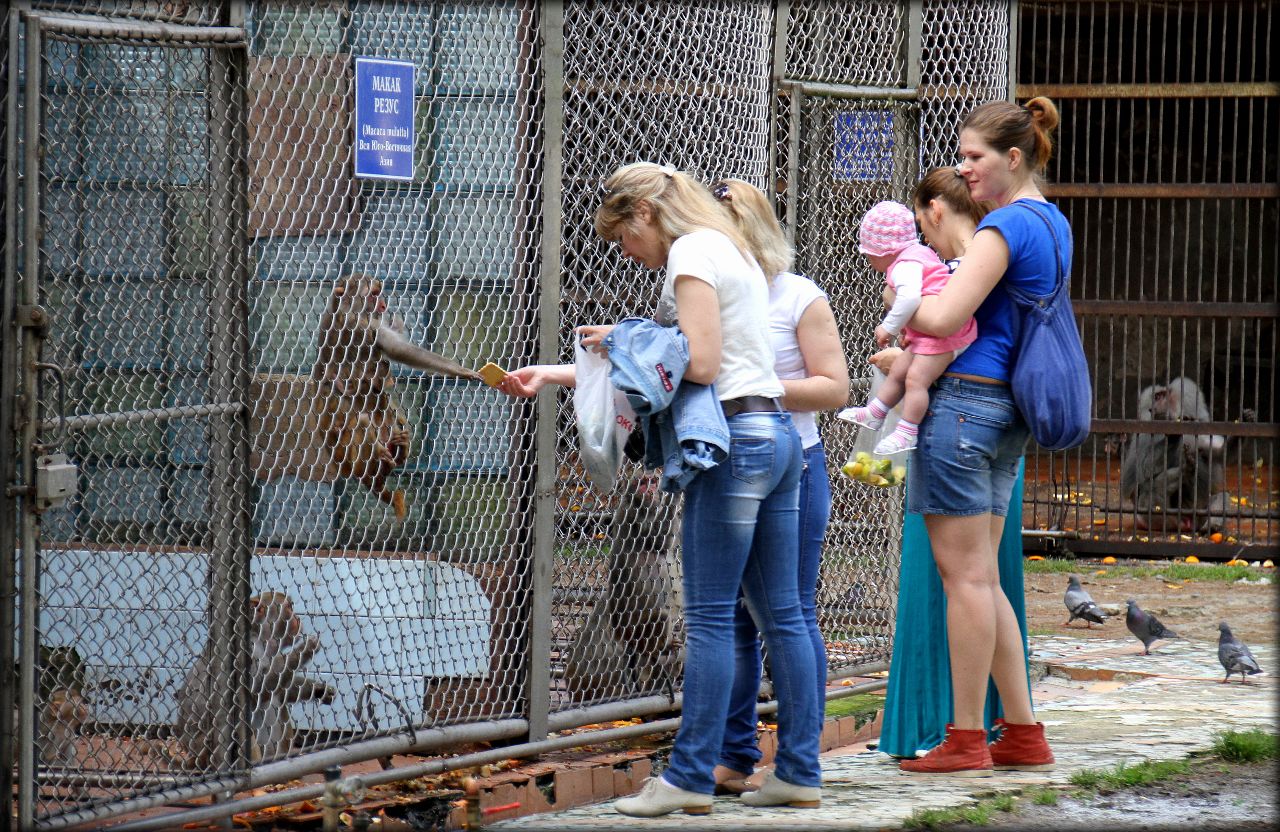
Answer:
(603, 416)
(863, 464)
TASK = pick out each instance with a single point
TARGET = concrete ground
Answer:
(1102, 703)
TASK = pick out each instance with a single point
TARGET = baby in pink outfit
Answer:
(887, 236)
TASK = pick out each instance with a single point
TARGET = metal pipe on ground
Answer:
(432, 767)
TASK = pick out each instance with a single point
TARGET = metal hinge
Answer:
(32, 317)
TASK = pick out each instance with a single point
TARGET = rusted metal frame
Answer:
(1174, 309)
(1258, 430)
(1164, 190)
(77, 26)
(1161, 549)
(1247, 89)
(29, 520)
(429, 768)
(9, 374)
(542, 560)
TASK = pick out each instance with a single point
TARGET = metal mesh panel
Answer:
(187, 12)
(847, 42)
(964, 62)
(391, 502)
(677, 83)
(144, 292)
(850, 152)
(285, 542)
(1167, 168)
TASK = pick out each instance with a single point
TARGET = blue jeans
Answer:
(740, 529)
(740, 751)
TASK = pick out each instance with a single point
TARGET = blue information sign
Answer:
(863, 146)
(384, 119)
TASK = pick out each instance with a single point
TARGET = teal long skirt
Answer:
(918, 702)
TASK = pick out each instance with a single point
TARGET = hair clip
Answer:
(669, 170)
(722, 193)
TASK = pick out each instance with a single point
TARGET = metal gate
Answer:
(1167, 170)
(133, 369)
(870, 97)
(186, 169)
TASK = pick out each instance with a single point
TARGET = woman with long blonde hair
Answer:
(740, 516)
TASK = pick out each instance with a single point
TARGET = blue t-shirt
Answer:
(1033, 267)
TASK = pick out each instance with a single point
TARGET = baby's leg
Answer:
(890, 393)
(922, 372)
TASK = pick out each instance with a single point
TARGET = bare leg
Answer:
(895, 384)
(922, 372)
(1009, 665)
(978, 619)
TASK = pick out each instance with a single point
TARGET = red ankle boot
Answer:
(1021, 747)
(962, 753)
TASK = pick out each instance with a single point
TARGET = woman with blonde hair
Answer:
(739, 525)
(962, 474)
(810, 361)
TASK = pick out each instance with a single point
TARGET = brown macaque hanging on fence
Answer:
(627, 645)
(343, 421)
(1171, 473)
(278, 654)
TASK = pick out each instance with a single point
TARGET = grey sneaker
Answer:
(658, 797)
(775, 791)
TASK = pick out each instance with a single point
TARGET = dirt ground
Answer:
(1213, 796)
(1190, 608)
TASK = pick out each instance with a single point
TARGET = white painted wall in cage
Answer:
(137, 620)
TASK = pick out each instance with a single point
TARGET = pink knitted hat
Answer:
(887, 228)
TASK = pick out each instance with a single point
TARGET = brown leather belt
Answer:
(978, 379)
(750, 404)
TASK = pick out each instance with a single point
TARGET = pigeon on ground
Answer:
(1080, 604)
(1234, 655)
(1145, 626)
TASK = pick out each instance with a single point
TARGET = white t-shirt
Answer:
(746, 356)
(789, 297)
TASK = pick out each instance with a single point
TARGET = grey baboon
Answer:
(1164, 473)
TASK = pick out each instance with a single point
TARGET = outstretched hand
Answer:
(525, 382)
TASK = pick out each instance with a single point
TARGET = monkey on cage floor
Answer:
(1179, 477)
(279, 652)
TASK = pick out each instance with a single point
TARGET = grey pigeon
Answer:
(1080, 604)
(1145, 626)
(1234, 655)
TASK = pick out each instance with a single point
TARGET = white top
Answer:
(746, 356)
(908, 281)
(789, 297)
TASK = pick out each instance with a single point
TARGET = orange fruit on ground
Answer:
(1216, 537)
(1192, 559)
(1108, 559)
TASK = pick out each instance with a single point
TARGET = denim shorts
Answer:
(967, 459)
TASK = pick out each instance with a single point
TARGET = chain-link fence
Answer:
(301, 524)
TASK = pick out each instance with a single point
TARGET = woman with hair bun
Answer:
(964, 470)
(918, 701)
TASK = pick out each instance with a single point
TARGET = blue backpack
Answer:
(1050, 381)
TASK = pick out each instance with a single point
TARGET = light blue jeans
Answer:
(740, 750)
(741, 530)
